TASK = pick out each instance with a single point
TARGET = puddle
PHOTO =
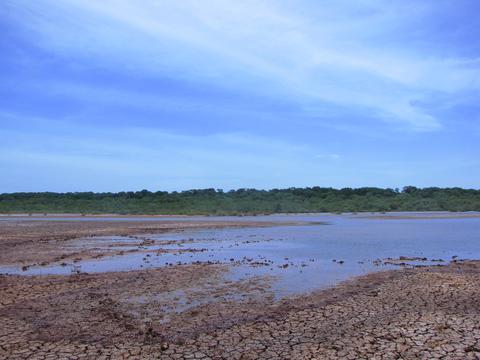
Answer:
(301, 258)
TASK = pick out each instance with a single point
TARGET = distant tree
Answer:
(246, 201)
(409, 189)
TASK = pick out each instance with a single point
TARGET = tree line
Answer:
(245, 201)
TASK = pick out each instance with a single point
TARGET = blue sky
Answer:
(172, 95)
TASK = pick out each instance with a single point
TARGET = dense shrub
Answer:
(245, 201)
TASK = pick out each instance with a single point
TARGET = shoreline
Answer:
(29, 242)
(172, 312)
(390, 313)
(357, 214)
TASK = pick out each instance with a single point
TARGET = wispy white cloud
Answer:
(328, 156)
(43, 154)
(331, 53)
(225, 160)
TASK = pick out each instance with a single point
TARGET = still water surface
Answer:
(302, 257)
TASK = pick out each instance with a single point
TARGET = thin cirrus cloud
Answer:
(337, 61)
(128, 155)
(328, 156)
(229, 88)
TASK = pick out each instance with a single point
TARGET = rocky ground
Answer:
(192, 312)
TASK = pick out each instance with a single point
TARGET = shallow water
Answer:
(302, 257)
(266, 218)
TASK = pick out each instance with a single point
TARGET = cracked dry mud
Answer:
(406, 314)
(192, 312)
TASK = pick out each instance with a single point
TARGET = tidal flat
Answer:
(397, 285)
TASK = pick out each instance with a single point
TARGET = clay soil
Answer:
(38, 242)
(192, 312)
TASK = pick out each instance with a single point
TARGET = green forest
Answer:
(245, 201)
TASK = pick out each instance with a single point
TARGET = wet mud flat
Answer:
(194, 308)
(35, 242)
(430, 312)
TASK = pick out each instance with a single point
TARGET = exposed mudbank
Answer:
(224, 296)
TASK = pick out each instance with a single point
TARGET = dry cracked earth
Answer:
(421, 313)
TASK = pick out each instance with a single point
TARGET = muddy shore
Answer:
(31, 242)
(191, 311)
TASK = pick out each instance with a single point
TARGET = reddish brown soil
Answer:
(30, 242)
(431, 312)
